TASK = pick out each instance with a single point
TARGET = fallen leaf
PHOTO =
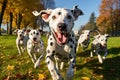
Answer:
(10, 67)
(41, 76)
(85, 78)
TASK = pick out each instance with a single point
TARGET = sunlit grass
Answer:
(15, 67)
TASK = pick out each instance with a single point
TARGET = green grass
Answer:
(86, 67)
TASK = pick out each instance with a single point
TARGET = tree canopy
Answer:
(109, 19)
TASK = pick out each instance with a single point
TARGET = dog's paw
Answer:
(37, 64)
(104, 57)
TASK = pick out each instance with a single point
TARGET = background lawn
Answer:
(15, 67)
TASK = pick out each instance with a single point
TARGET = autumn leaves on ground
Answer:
(15, 67)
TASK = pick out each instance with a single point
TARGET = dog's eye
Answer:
(31, 33)
(69, 17)
(37, 33)
(59, 13)
(53, 17)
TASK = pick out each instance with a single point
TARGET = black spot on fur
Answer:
(48, 62)
(73, 61)
(48, 51)
(72, 35)
(52, 55)
(71, 46)
(75, 49)
(50, 38)
(70, 56)
(51, 43)
(73, 42)
(53, 51)
(70, 40)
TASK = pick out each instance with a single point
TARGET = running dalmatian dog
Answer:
(35, 47)
(21, 40)
(61, 42)
(84, 39)
(99, 44)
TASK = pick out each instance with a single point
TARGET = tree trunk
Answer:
(19, 20)
(7, 27)
(11, 19)
(2, 12)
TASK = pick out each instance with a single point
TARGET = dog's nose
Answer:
(20, 35)
(62, 26)
(34, 39)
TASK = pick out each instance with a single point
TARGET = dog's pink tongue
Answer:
(61, 38)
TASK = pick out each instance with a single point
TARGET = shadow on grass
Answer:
(110, 69)
(114, 50)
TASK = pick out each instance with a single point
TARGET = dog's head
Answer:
(86, 33)
(20, 33)
(103, 39)
(61, 21)
(34, 36)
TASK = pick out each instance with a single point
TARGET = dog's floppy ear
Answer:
(45, 14)
(16, 31)
(107, 35)
(83, 31)
(76, 12)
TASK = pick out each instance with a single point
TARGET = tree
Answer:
(2, 12)
(109, 18)
(91, 25)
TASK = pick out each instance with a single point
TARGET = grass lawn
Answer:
(15, 67)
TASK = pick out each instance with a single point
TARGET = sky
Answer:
(87, 6)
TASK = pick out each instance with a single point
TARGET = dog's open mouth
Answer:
(61, 38)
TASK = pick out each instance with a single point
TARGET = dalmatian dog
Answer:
(99, 44)
(61, 43)
(21, 40)
(35, 47)
(77, 34)
(84, 39)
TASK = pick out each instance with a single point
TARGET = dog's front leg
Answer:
(41, 56)
(70, 71)
(106, 52)
(19, 51)
(99, 57)
(30, 54)
(52, 68)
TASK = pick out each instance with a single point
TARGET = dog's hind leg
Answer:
(19, 50)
